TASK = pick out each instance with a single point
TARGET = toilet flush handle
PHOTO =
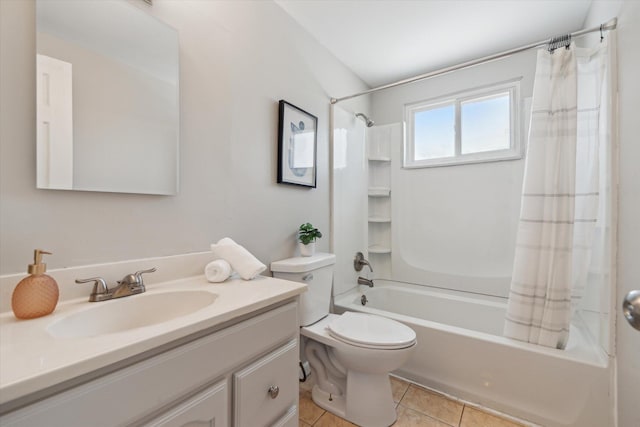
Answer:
(307, 277)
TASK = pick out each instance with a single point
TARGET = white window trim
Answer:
(514, 152)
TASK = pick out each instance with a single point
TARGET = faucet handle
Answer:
(138, 274)
(135, 279)
(99, 286)
(359, 262)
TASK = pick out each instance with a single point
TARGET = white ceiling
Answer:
(383, 41)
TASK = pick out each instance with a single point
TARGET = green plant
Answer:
(308, 233)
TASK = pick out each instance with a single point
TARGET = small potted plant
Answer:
(307, 234)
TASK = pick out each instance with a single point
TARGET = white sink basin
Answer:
(124, 314)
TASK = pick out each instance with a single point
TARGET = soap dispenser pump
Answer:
(36, 295)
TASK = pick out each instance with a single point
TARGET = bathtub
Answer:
(461, 351)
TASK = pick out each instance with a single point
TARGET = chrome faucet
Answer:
(363, 281)
(131, 284)
(359, 262)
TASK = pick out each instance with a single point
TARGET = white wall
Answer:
(628, 339)
(628, 274)
(237, 59)
(455, 226)
(349, 195)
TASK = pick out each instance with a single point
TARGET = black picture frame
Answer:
(297, 146)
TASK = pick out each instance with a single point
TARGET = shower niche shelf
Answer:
(379, 249)
(379, 234)
(379, 200)
(379, 159)
(379, 219)
(379, 192)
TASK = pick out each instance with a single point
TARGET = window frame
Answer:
(514, 151)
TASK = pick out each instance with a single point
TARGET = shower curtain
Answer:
(566, 168)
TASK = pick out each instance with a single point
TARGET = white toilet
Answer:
(351, 354)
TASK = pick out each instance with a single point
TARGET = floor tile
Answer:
(433, 404)
(473, 417)
(309, 412)
(410, 418)
(398, 388)
(329, 420)
(303, 424)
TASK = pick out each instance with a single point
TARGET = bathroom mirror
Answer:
(107, 98)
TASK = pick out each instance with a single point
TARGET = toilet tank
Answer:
(317, 272)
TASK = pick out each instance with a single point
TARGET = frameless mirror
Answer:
(107, 98)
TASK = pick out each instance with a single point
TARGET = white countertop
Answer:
(32, 360)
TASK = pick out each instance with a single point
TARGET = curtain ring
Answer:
(601, 34)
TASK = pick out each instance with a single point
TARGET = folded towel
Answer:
(217, 271)
(241, 260)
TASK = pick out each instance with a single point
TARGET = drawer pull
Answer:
(273, 391)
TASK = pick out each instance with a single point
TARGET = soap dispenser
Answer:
(36, 295)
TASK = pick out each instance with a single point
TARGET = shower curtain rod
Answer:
(609, 25)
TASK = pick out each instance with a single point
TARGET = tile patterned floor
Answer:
(416, 407)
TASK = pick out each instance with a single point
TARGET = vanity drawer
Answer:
(208, 407)
(290, 419)
(267, 388)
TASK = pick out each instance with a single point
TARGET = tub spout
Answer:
(363, 281)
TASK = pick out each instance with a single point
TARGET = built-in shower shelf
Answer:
(379, 192)
(379, 249)
(379, 213)
(379, 219)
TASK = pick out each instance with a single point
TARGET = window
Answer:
(475, 126)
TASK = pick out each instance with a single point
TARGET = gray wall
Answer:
(237, 60)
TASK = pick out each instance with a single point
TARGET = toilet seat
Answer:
(370, 331)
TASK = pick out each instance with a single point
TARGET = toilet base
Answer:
(332, 403)
(362, 407)
(365, 408)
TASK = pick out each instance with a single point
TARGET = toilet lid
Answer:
(367, 330)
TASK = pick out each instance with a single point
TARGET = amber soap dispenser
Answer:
(36, 295)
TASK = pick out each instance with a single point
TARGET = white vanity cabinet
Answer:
(224, 378)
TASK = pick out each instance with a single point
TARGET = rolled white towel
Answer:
(241, 260)
(217, 271)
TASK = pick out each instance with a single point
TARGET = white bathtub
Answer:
(461, 352)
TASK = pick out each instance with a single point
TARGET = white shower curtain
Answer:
(561, 189)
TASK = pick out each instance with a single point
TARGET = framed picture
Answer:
(297, 140)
